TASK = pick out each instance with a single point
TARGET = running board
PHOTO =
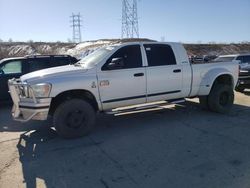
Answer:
(144, 106)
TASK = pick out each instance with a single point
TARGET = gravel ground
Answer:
(176, 147)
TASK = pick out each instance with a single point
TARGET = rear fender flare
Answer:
(209, 78)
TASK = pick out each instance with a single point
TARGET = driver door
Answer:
(10, 69)
(125, 83)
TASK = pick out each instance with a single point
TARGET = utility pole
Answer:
(76, 21)
(130, 25)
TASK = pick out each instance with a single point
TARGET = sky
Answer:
(189, 21)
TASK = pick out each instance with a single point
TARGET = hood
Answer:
(52, 72)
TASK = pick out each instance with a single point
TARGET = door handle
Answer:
(177, 70)
(138, 74)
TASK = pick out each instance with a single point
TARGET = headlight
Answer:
(40, 90)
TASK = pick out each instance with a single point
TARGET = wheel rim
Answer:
(224, 98)
(75, 119)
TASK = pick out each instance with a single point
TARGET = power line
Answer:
(130, 26)
(76, 25)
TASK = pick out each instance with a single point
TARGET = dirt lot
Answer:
(177, 147)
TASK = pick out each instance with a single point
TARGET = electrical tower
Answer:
(76, 25)
(130, 26)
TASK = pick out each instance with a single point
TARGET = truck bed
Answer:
(200, 71)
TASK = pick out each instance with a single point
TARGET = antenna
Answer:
(130, 26)
(76, 25)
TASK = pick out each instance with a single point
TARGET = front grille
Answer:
(244, 74)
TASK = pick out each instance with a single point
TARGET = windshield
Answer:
(224, 59)
(94, 58)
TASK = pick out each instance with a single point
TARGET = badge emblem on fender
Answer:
(104, 83)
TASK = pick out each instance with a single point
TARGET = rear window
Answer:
(39, 63)
(247, 59)
(159, 55)
(244, 58)
(60, 61)
(241, 58)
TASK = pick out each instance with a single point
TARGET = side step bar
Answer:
(144, 106)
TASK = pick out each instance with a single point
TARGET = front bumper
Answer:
(244, 81)
(27, 108)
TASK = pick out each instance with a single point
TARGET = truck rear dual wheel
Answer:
(221, 98)
(74, 118)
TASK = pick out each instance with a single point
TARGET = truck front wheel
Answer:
(74, 118)
(221, 98)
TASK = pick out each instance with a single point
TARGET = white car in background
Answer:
(244, 59)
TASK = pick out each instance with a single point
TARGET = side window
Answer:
(130, 56)
(39, 63)
(13, 67)
(247, 59)
(159, 55)
(241, 58)
(60, 61)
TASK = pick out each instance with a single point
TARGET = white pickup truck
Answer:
(121, 75)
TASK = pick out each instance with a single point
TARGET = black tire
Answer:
(240, 89)
(74, 118)
(221, 98)
(204, 102)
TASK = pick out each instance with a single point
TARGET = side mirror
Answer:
(116, 63)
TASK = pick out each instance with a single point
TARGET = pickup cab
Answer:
(117, 77)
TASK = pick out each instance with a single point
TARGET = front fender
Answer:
(84, 82)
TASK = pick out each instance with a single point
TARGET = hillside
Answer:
(15, 49)
(217, 49)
